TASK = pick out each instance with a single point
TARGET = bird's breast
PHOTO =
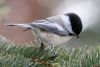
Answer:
(53, 39)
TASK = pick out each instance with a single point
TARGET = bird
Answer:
(55, 29)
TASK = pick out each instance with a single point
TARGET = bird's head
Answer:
(76, 24)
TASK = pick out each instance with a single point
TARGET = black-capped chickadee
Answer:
(56, 26)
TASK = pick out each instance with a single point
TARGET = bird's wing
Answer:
(50, 26)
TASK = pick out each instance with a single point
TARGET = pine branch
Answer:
(12, 55)
(37, 55)
(78, 57)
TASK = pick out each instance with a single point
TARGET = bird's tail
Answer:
(19, 25)
(27, 26)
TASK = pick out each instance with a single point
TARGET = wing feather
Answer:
(50, 27)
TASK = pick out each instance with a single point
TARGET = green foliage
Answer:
(24, 56)
(78, 57)
(28, 56)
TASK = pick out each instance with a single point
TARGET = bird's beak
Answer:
(77, 36)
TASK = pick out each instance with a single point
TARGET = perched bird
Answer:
(56, 29)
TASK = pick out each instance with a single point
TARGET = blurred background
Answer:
(26, 11)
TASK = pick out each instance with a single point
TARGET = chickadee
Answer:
(56, 28)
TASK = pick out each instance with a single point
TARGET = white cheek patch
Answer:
(66, 23)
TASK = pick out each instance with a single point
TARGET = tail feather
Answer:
(11, 25)
(19, 25)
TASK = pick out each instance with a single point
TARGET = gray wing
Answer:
(51, 27)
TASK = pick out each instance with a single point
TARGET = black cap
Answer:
(76, 23)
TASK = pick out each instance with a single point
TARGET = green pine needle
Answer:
(12, 55)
